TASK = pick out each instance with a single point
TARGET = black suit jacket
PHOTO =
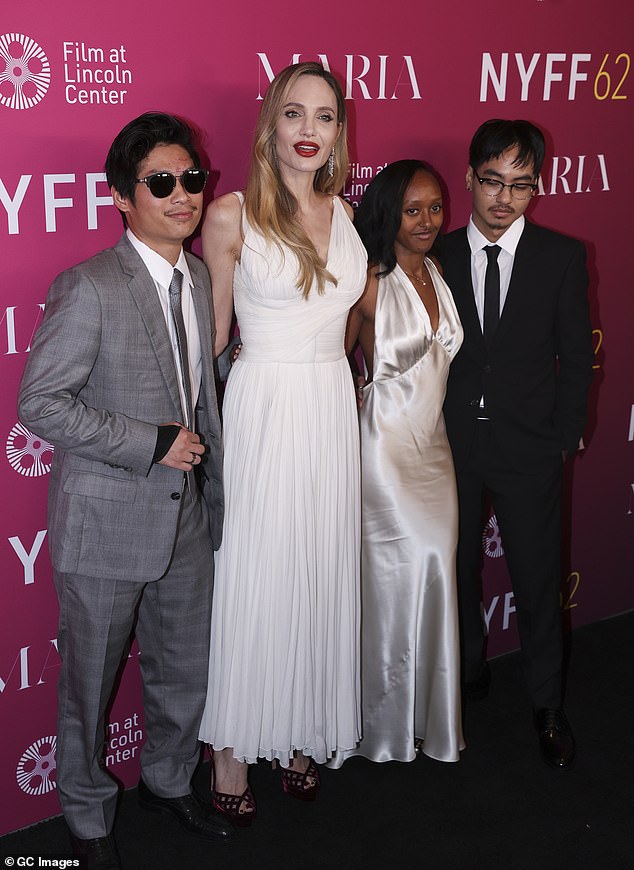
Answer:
(538, 369)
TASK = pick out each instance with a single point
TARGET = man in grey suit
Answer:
(120, 380)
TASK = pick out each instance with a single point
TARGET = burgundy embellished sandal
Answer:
(299, 785)
(240, 809)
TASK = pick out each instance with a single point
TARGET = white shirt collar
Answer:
(508, 241)
(158, 267)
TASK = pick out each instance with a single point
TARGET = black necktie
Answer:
(181, 338)
(491, 293)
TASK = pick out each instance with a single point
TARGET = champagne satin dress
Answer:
(410, 645)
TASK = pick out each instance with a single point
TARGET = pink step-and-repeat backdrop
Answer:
(419, 78)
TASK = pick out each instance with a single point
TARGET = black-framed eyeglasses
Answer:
(519, 189)
(161, 184)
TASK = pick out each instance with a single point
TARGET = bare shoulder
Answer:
(434, 259)
(225, 208)
(224, 213)
(223, 224)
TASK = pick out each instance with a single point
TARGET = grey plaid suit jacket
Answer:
(99, 379)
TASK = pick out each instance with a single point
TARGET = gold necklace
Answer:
(415, 277)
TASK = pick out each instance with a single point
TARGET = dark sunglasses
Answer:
(161, 184)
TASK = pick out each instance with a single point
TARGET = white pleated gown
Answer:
(410, 644)
(284, 661)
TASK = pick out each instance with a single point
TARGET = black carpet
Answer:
(500, 807)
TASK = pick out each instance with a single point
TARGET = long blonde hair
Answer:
(270, 205)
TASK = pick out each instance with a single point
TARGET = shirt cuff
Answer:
(165, 437)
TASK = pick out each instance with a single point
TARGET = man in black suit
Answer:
(516, 406)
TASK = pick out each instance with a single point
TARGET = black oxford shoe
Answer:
(99, 853)
(192, 813)
(555, 737)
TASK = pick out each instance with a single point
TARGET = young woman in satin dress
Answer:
(409, 332)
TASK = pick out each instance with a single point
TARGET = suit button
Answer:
(175, 496)
(487, 369)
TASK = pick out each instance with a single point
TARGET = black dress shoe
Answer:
(195, 816)
(477, 689)
(97, 854)
(555, 737)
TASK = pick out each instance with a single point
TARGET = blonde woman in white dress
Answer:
(284, 670)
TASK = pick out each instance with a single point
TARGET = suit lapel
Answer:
(520, 284)
(201, 296)
(464, 294)
(143, 292)
(205, 331)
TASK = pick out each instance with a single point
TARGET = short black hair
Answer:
(497, 135)
(380, 213)
(133, 144)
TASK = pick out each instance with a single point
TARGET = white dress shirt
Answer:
(508, 243)
(161, 273)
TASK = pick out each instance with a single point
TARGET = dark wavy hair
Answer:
(379, 215)
(133, 144)
(497, 135)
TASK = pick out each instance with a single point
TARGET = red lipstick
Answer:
(306, 149)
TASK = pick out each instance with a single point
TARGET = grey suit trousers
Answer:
(171, 617)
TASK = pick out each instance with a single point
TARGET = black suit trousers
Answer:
(528, 510)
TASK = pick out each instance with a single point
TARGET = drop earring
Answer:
(331, 163)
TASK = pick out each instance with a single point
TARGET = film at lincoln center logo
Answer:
(25, 72)
(36, 768)
(28, 454)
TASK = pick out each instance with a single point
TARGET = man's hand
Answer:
(185, 452)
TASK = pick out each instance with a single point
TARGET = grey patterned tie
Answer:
(491, 293)
(176, 307)
(181, 338)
